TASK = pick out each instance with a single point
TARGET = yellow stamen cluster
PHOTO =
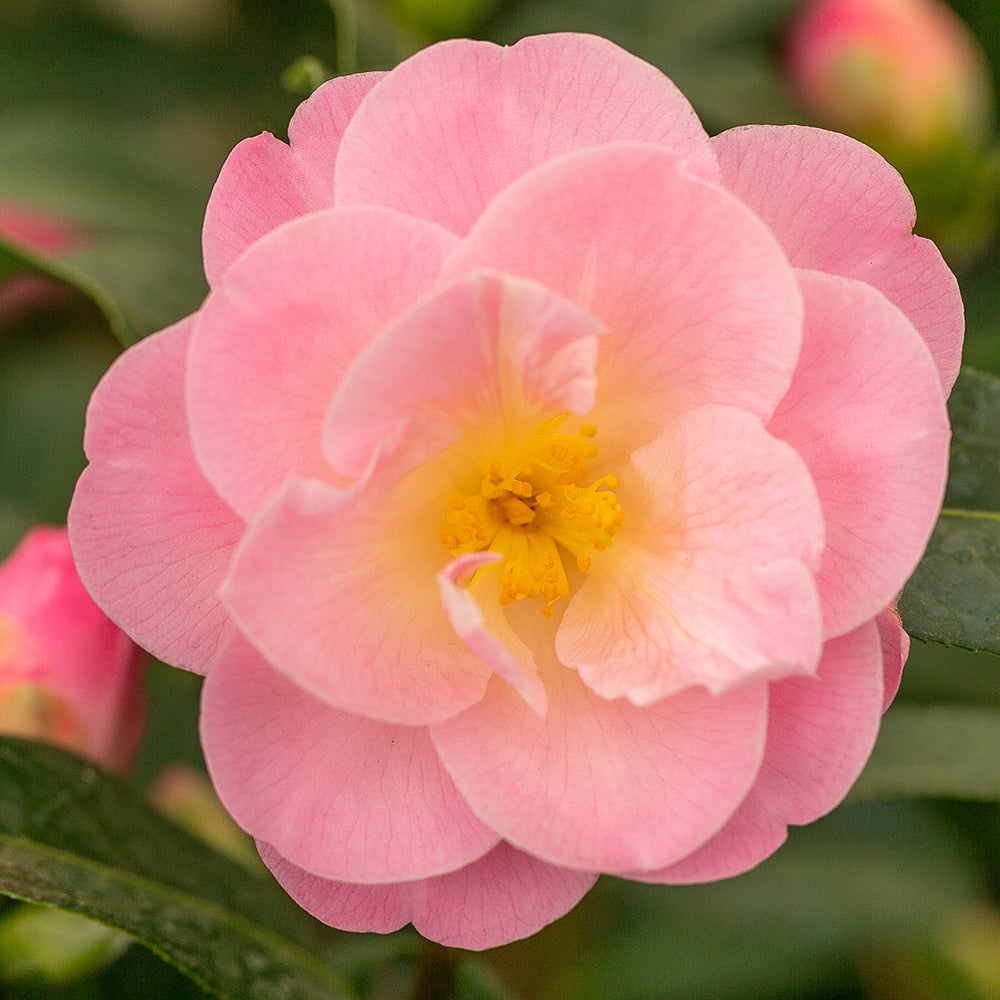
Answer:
(530, 505)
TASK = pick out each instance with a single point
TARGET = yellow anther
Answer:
(516, 511)
(534, 507)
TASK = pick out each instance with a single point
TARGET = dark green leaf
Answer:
(936, 751)
(73, 837)
(974, 476)
(954, 595)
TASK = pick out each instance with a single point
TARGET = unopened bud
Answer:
(68, 675)
(907, 71)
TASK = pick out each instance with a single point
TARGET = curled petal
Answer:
(473, 353)
(466, 617)
(895, 649)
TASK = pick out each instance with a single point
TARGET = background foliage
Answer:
(117, 116)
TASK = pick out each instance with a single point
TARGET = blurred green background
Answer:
(115, 116)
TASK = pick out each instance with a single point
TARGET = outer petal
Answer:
(473, 354)
(504, 896)
(820, 734)
(698, 297)
(837, 206)
(605, 786)
(344, 796)
(488, 114)
(864, 415)
(336, 589)
(151, 538)
(709, 581)
(274, 340)
(264, 183)
(895, 649)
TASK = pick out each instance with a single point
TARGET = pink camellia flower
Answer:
(532, 484)
(902, 70)
(68, 675)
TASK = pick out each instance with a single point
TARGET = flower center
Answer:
(531, 507)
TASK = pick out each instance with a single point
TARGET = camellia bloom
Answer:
(67, 674)
(532, 484)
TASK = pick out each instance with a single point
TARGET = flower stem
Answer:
(436, 973)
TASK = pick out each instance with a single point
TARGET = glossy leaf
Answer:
(72, 837)
(954, 595)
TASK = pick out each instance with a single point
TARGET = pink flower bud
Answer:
(36, 230)
(68, 675)
(906, 71)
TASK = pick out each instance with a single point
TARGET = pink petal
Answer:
(838, 207)
(895, 649)
(502, 897)
(820, 734)
(699, 300)
(345, 797)
(264, 182)
(605, 786)
(151, 538)
(864, 414)
(275, 339)
(449, 128)
(476, 353)
(336, 589)
(710, 580)
(467, 619)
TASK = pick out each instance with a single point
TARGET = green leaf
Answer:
(954, 596)
(72, 837)
(974, 476)
(950, 751)
(15, 260)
